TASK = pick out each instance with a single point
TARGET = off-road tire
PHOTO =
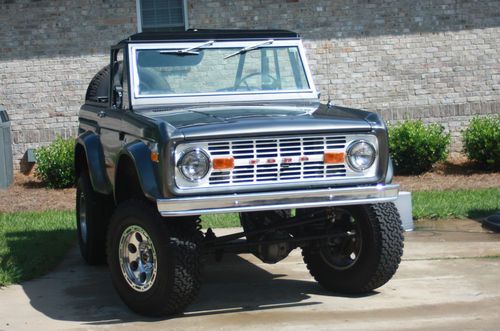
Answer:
(382, 236)
(99, 85)
(178, 277)
(97, 208)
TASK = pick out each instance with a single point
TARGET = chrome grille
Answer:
(284, 159)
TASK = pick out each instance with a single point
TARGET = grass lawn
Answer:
(32, 243)
(456, 204)
(220, 221)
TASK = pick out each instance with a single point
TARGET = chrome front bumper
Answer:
(245, 202)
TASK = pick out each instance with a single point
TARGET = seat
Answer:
(152, 82)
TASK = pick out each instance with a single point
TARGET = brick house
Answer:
(435, 60)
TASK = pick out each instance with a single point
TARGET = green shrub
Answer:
(482, 141)
(415, 147)
(54, 163)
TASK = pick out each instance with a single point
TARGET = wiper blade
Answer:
(249, 48)
(188, 51)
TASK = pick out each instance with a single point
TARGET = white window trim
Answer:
(139, 16)
(137, 100)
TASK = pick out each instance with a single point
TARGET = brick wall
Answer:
(50, 50)
(436, 60)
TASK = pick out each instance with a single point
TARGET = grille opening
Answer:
(277, 149)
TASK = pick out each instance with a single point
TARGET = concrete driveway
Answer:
(449, 280)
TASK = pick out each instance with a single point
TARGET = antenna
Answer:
(330, 102)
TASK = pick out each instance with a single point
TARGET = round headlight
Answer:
(194, 165)
(361, 155)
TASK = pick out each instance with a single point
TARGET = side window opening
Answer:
(117, 81)
(99, 91)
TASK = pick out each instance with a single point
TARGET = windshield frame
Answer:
(230, 96)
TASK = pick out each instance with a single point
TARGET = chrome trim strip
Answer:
(277, 200)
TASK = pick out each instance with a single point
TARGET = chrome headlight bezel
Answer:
(201, 156)
(351, 153)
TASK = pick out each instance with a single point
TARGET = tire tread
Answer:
(98, 214)
(389, 241)
(182, 238)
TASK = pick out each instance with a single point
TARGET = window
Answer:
(119, 97)
(213, 70)
(161, 15)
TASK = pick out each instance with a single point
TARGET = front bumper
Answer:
(245, 202)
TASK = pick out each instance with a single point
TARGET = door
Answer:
(110, 119)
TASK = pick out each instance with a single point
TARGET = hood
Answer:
(240, 121)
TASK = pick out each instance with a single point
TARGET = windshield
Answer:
(212, 70)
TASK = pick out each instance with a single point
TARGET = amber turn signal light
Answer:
(223, 163)
(155, 157)
(333, 157)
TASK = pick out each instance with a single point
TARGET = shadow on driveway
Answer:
(81, 293)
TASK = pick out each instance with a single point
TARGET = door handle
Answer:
(101, 114)
(121, 136)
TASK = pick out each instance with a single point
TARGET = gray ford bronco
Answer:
(185, 124)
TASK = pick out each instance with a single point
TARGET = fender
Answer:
(146, 170)
(390, 172)
(94, 156)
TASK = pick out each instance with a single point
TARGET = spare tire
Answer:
(99, 85)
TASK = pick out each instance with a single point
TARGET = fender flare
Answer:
(94, 156)
(390, 172)
(140, 155)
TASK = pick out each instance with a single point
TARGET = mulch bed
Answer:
(28, 194)
(451, 175)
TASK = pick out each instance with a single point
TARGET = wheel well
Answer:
(127, 183)
(80, 161)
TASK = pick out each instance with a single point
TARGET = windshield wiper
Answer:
(249, 48)
(188, 51)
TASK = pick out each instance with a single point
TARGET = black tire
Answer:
(99, 85)
(92, 217)
(173, 248)
(378, 255)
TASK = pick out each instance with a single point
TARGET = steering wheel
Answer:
(243, 80)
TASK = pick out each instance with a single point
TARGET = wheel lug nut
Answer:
(134, 265)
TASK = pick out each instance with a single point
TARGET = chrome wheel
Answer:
(341, 253)
(138, 260)
(82, 218)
